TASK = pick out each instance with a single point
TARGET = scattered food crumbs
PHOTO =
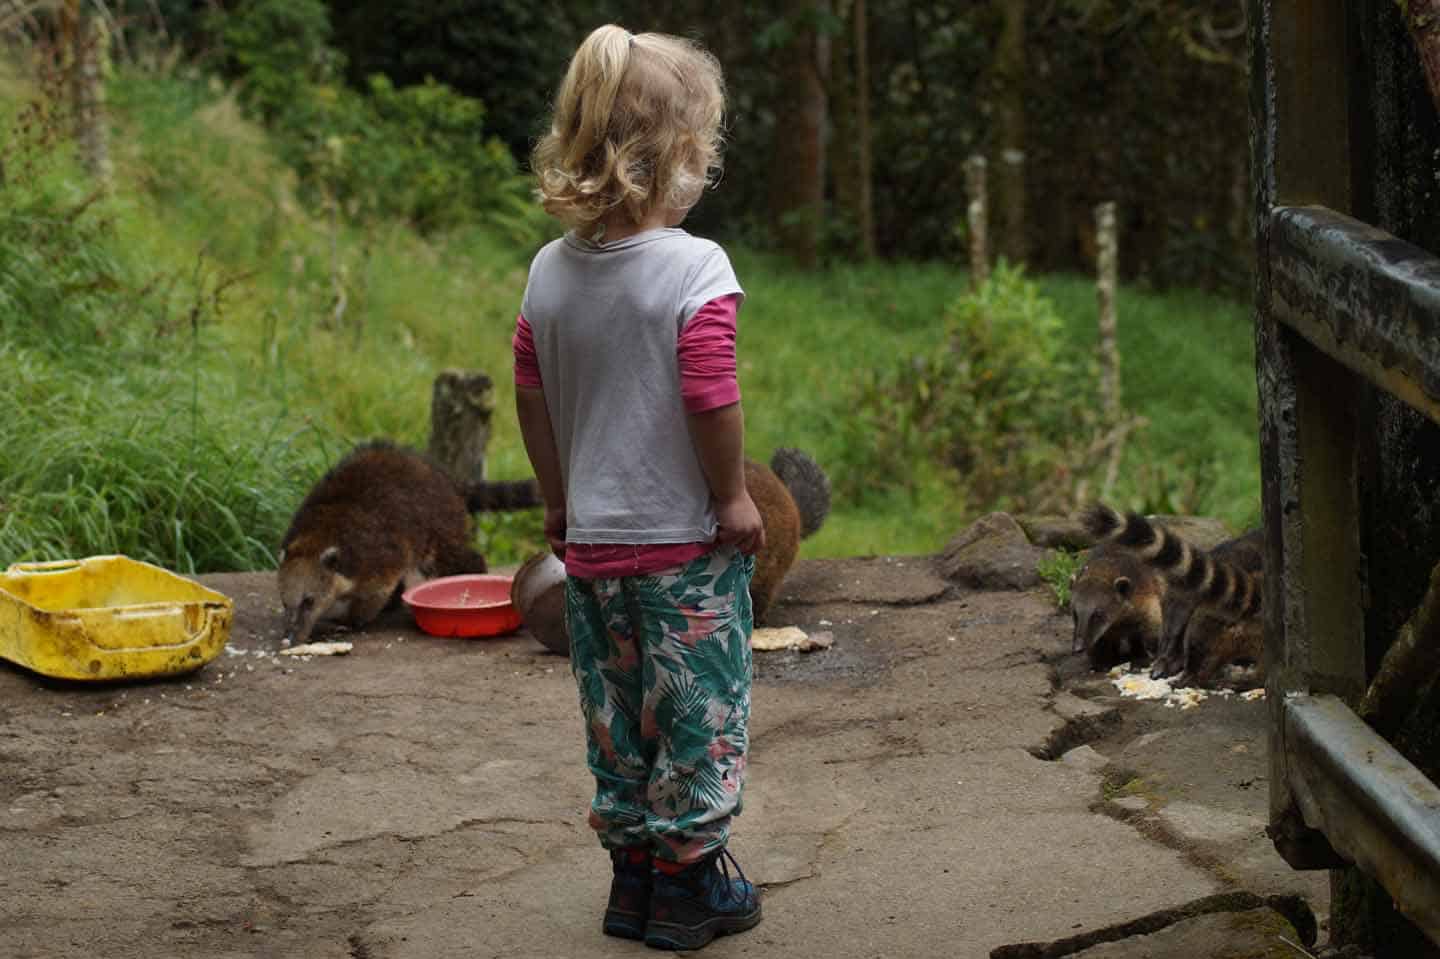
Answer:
(1139, 686)
(790, 637)
(1251, 695)
(333, 648)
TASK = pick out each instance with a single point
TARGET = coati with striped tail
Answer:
(1200, 638)
(383, 519)
(1212, 607)
(793, 497)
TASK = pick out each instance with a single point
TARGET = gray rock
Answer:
(1197, 822)
(992, 553)
(1056, 532)
(1083, 757)
(1203, 531)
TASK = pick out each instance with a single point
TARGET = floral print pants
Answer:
(663, 666)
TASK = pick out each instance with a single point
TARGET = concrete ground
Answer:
(425, 798)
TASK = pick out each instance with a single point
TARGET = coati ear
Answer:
(330, 559)
(1122, 587)
(280, 560)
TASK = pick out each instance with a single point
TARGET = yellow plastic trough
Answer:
(107, 618)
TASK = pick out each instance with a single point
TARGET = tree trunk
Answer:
(1010, 115)
(844, 158)
(849, 156)
(798, 173)
(88, 60)
(865, 198)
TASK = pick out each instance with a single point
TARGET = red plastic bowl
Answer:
(468, 605)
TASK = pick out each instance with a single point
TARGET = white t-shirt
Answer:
(605, 319)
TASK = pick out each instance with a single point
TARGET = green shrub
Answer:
(416, 153)
(998, 403)
(279, 49)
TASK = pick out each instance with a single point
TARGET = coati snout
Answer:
(383, 519)
(1116, 605)
(312, 589)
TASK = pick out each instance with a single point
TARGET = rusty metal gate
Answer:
(1345, 313)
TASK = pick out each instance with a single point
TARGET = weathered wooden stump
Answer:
(461, 405)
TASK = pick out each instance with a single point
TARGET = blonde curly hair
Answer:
(635, 126)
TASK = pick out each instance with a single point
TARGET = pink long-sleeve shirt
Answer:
(705, 351)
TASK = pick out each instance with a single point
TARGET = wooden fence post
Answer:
(976, 218)
(1105, 283)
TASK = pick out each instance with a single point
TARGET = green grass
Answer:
(198, 392)
(1188, 366)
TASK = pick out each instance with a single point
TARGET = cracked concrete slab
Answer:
(427, 798)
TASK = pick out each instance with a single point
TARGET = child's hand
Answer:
(740, 524)
(555, 530)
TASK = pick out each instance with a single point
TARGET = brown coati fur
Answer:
(1194, 633)
(383, 519)
(1116, 602)
(1212, 643)
(1213, 613)
(793, 497)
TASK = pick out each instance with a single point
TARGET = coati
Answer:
(1212, 614)
(1197, 639)
(383, 519)
(793, 497)
(1116, 601)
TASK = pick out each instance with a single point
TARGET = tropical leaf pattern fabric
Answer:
(663, 666)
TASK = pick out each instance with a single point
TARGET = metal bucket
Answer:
(538, 593)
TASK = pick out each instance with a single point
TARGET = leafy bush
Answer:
(999, 404)
(279, 49)
(416, 153)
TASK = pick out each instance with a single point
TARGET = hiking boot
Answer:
(700, 902)
(629, 893)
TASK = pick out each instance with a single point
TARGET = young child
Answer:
(630, 411)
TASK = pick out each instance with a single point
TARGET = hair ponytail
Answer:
(587, 97)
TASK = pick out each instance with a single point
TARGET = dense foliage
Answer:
(1140, 103)
(416, 151)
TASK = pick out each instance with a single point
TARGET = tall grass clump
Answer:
(105, 466)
